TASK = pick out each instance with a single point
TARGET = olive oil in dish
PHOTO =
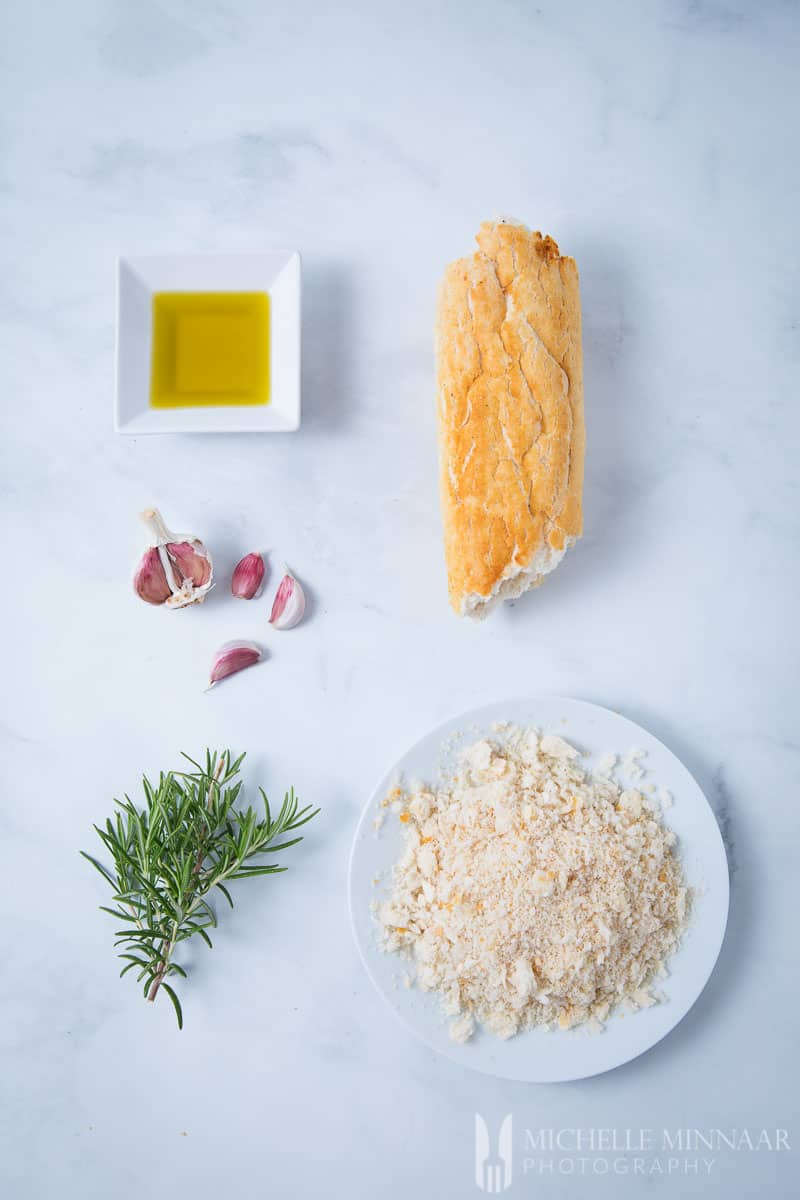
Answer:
(210, 349)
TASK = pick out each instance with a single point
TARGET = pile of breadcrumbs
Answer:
(530, 892)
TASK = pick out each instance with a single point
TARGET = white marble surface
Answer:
(656, 140)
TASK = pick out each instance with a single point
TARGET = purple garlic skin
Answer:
(248, 577)
(175, 570)
(289, 603)
(191, 559)
(232, 657)
(150, 580)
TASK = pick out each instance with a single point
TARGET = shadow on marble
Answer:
(328, 400)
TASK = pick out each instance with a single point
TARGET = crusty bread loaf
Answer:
(510, 412)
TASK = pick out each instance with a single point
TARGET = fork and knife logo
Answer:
(493, 1171)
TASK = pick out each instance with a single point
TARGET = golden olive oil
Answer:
(210, 348)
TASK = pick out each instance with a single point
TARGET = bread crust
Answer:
(510, 414)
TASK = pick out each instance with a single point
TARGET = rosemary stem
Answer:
(166, 954)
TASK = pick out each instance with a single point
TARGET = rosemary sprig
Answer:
(188, 840)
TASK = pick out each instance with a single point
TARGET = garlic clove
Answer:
(186, 571)
(150, 581)
(248, 577)
(233, 657)
(289, 603)
(192, 561)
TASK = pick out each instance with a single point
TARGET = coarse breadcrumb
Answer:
(530, 891)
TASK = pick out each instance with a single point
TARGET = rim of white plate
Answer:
(575, 1054)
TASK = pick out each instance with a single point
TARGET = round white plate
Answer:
(537, 1056)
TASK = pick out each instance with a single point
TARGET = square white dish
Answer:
(138, 278)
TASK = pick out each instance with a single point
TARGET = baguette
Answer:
(510, 415)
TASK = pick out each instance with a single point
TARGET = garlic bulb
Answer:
(248, 577)
(175, 570)
(289, 603)
(233, 657)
